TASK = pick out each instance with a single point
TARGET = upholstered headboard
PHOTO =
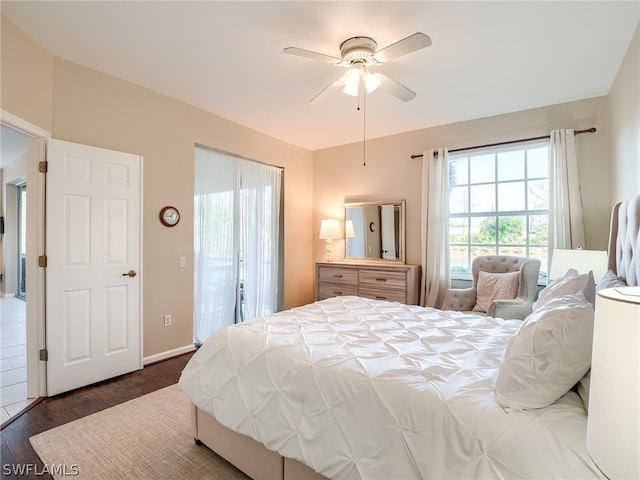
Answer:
(624, 241)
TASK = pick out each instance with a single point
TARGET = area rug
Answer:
(145, 438)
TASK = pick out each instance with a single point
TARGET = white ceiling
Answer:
(487, 58)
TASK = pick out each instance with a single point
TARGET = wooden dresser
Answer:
(393, 282)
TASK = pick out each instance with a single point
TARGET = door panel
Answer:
(77, 326)
(93, 240)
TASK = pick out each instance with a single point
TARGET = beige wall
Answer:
(25, 83)
(390, 173)
(624, 100)
(95, 109)
(88, 107)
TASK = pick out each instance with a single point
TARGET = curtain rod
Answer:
(577, 132)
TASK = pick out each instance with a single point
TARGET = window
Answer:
(498, 205)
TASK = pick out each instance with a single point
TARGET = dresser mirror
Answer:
(375, 231)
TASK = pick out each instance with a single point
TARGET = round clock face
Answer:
(169, 216)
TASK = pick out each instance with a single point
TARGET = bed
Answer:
(350, 387)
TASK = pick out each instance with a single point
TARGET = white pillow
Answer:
(492, 286)
(610, 280)
(548, 355)
(570, 283)
(583, 389)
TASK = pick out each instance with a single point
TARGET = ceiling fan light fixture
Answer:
(357, 53)
(353, 78)
(351, 90)
(351, 82)
(370, 81)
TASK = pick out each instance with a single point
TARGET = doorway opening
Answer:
(13, 323)
(21, 166)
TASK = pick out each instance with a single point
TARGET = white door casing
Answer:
(94, 238)
(35, 305)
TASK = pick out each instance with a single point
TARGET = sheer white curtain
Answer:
(236, 240)
(355, 246)
(260, 239)
(566, 229)
(435, 227)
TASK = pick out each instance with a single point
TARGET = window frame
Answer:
(527, 213)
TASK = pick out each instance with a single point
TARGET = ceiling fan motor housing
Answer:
(358, 50)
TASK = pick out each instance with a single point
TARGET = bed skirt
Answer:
(245, 453)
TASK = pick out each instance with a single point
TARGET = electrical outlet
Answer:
(167, 320)
(182, 262)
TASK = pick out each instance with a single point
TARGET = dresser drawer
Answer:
(327, 290)
(383, 279)
(397, 283)
(338, 275)
(383, 294)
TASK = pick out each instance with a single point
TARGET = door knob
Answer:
(130, 273)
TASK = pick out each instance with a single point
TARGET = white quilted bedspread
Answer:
(361, 388)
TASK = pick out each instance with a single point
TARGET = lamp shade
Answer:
(613, 422)
(371, 82)
(583, 261)
(349, 231)
(330, 229)
(351, 82)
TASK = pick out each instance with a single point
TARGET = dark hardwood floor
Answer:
(51, 412)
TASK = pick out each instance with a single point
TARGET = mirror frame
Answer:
(402, 236)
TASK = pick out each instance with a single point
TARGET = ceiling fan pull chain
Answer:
(364, 127)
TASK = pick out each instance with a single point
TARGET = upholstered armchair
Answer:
(466, 299)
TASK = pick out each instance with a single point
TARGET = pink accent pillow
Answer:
(493, 286)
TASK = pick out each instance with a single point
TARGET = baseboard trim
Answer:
(168, 354)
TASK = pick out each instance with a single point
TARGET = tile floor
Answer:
(13, 358)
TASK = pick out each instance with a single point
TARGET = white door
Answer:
(389, 250)
(94, 223)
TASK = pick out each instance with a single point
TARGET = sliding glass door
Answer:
(237, 240)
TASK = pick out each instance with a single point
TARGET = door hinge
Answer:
(44, 355)
(42, 261)
(43, 167)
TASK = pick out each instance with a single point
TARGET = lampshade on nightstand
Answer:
(583, 261)
(613, 421)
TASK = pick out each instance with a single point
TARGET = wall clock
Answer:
(169, 216)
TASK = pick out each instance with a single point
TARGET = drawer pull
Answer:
(378, 297)
(337, 275)
(381, 279)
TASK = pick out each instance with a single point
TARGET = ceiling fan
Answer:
(359, 53)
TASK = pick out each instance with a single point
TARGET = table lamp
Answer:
(329, 231)
(583, 261)
(613, 420)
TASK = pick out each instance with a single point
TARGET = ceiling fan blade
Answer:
(300, 52)
(337, 85)
(394, 88)
(402, 47)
